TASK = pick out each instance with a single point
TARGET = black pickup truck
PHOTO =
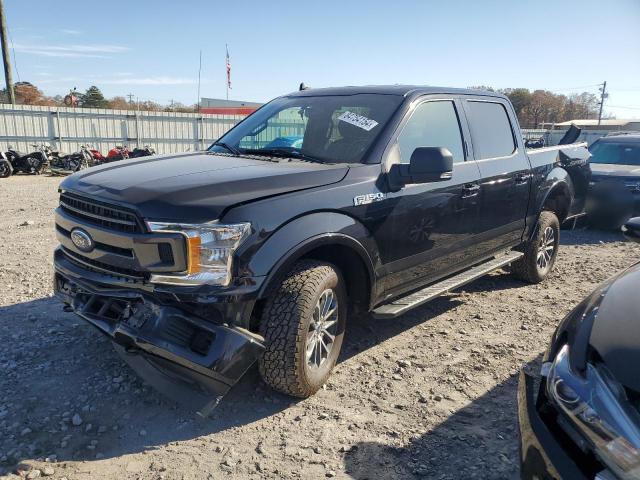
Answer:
(323, 204)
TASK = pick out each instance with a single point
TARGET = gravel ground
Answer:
(429, 395)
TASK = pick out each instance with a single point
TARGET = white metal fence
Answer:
(66, 129)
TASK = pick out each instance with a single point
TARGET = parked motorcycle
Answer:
(146, 151)
(98, 158)
(35, 162)
(123, 152)
(74, 162)
(5, 166)
(118, 153)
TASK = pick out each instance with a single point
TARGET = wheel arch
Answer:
(555, 193)
(331, 237)
(558, 200)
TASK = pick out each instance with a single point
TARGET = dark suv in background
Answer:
(615, 180)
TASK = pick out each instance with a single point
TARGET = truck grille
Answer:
(102, 267)
(100, 213)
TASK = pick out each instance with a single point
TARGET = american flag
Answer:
(228, 68)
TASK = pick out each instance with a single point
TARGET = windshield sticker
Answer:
(358, 120)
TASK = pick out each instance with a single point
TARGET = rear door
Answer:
(433, 223)
(505, 172)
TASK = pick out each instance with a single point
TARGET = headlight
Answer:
(210, 250)
(598, 407)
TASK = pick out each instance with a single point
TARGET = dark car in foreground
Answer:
(615, 180)
(198, 265)
(584, 422)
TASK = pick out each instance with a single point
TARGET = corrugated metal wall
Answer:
(552, 137)
(66, 129)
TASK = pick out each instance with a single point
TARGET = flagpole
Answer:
(226, 66)
(199, 71)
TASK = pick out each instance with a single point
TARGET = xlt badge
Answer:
(368, 198)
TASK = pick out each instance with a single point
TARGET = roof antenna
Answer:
(303, 87)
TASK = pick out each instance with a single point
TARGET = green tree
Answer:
(93, 98)
(520, 98)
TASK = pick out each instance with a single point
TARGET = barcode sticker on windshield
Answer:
(358, 120)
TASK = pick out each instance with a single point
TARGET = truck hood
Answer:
(615, 334)
(612, 170)
(197, 187)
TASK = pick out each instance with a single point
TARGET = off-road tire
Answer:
(285, 325)
(527, 268)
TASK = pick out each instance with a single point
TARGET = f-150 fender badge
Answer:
(368, 198)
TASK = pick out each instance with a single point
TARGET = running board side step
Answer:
(404, 304)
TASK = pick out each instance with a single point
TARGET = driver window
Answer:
(433, 124)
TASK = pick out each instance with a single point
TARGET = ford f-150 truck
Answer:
(200, 264)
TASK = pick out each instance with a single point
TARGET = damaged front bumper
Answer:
(185, 357)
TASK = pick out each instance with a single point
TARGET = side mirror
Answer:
(427, 164)
(631, 229)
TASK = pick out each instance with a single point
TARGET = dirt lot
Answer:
(428, 395)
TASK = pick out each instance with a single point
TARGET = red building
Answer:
(228, 107)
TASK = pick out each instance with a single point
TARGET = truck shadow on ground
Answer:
(54, 366)
(61, 366)
(478, 441)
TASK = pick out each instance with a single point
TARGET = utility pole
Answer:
(6, 60)
(130, 97)
(603, 95)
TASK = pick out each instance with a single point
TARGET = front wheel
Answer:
(5, 169)
(540, 251)
(303, 326)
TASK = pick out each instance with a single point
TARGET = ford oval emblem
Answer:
(82, 240)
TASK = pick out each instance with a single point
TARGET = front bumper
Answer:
(186, 357)
(542, 455)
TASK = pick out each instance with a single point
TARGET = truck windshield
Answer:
(324, 128)
(615, 153)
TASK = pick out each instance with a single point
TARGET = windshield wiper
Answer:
(231, 149)
(282, 152)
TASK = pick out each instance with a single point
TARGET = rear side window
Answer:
(433, 124)
(491, 131)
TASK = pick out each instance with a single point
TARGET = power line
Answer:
(625, 106)
(564, 89)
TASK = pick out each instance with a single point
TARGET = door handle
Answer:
(470, 190)
(522, 178)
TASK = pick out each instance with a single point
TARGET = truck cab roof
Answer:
(400, 90)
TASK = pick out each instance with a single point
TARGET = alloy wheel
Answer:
(546, 249)
(322, 329)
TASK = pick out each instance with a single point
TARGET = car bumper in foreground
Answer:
(185, 357)
(541, 454)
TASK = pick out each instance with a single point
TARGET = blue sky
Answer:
(150, 48)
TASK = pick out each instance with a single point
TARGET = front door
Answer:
(433, 223)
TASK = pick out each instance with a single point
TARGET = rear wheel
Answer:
(540, 251)
(303, 326)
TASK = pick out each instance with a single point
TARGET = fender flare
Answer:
(557, 179)
(300, 236)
